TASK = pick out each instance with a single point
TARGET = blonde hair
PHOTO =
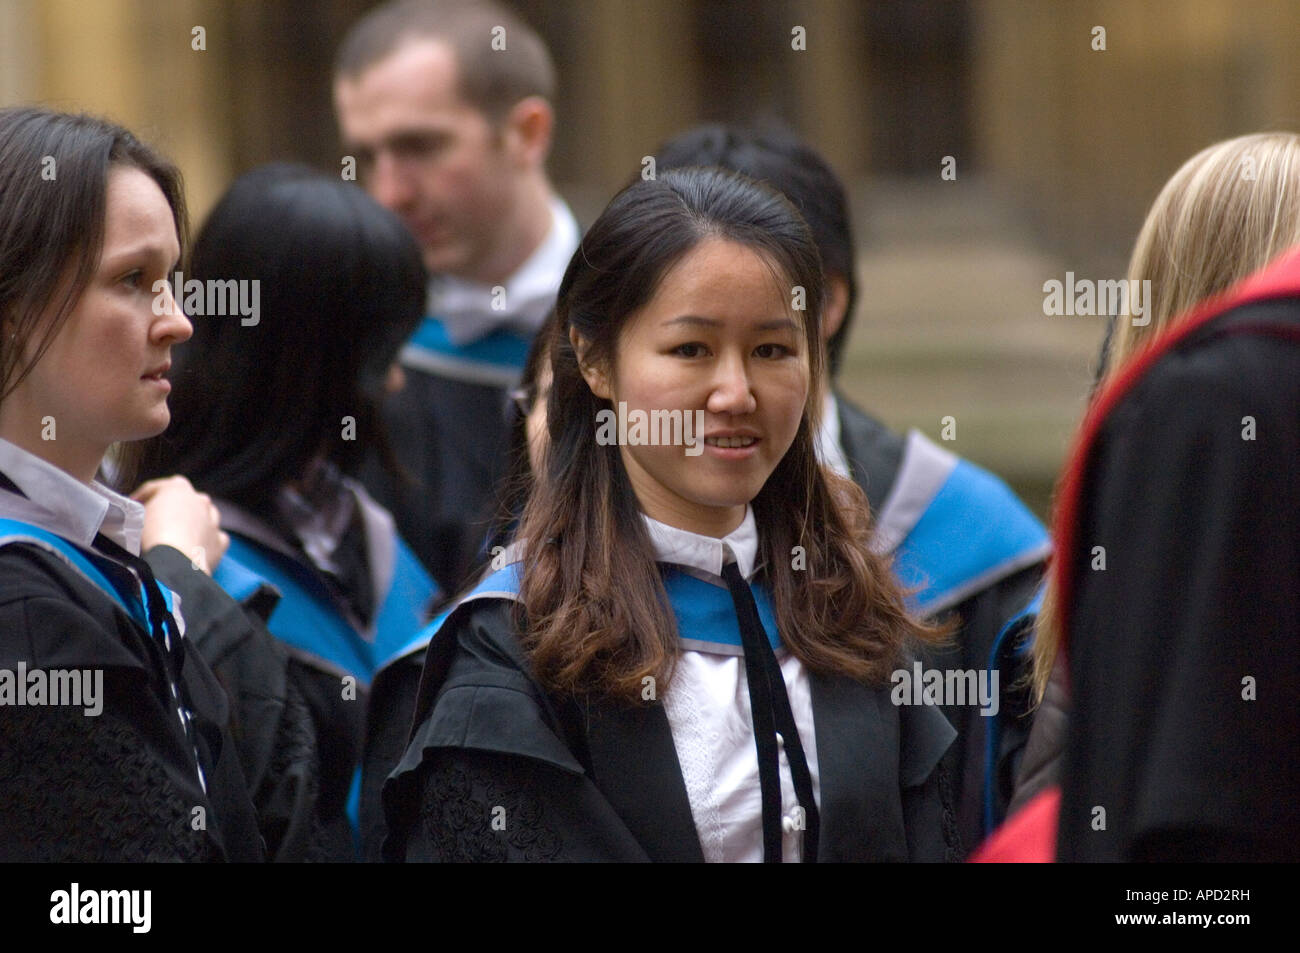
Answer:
(1230, 210)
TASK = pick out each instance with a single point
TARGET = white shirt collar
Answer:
(465, 307)
(706, 553)
(74, 510)
(829, 449)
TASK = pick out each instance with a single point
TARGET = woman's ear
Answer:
(594, 376)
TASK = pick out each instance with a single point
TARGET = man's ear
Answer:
(529, 127)
(594, 376)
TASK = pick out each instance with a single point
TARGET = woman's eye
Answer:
(688, 350)
(133, 279)
(772, 350)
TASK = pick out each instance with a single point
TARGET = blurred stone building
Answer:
(1058, 144)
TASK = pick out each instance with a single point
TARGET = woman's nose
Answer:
(173, 325)
(732, 389)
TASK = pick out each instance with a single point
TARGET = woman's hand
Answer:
(177, 515)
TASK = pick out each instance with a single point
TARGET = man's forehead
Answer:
(414, 85)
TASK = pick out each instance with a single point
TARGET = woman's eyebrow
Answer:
(775, 324)
(147, 250)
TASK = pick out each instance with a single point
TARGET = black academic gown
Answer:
(121, 785)
(321, 745)
(875, 454)
(270, 721)
(390, 711)
(593, 780)
(450, 438)
(1184, 651)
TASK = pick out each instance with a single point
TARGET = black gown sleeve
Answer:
(91, 788)
(979, 620)
(1184, 662)
(1040, 768)
(388, 726)
(473, 806)
(337, 725)
(492, 771)
(270, 724)
(930, 818)
(480, 806)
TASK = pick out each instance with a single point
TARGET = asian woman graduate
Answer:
(687, 653)
(112, 726)
(272, 418)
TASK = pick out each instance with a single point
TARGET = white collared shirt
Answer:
(321, 519)
(74, 510)
(707, 704)
(59, 502)
(830, 452)
(466, 307)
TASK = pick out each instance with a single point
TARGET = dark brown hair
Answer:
(595, 616)
(491, 80)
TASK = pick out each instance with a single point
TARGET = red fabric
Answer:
(1028, 836)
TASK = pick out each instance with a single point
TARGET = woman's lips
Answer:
(738, 447)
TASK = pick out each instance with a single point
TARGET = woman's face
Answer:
(103, 378)
(719, 336)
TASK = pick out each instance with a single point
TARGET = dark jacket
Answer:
(449, 438)
(332, 651)
(1040, 766)
(270, 722)
(1183, 654)
(987, 596)
(121, 785)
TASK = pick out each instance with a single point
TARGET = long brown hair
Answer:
(595, 616)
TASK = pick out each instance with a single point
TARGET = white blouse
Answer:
(707, 704)
(70, 508)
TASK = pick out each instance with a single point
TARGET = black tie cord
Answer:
(770, 708)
